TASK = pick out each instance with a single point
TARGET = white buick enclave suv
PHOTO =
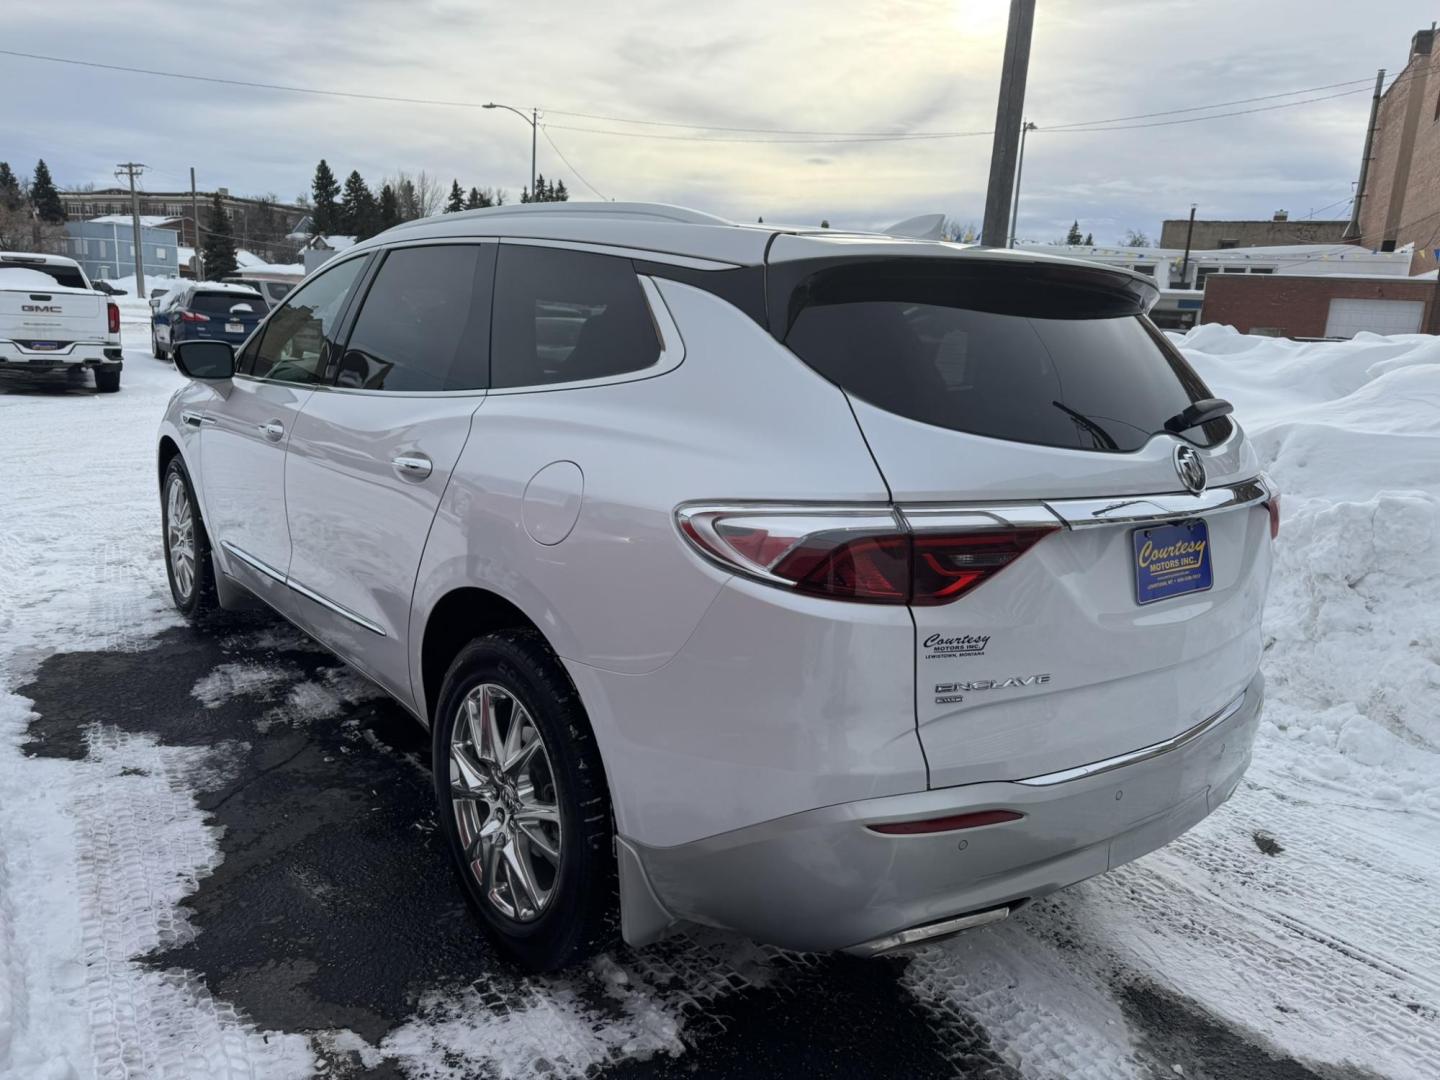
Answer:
(845, 591)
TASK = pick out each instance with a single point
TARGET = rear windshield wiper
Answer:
(1199, 412)
(1101, 436)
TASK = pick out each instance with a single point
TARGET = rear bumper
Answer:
(16, 359)
(821, 880)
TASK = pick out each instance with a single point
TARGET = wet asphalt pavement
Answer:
(334, 906)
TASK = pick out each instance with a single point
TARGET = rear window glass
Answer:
(220, 303)
(563, 316)
(1055, 358)
(13, 276)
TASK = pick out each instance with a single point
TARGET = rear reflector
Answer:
(872, 556)
(952, 823)
(112, 316)
(1273, 505)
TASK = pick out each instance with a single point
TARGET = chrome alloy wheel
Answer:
(180, 536)
(503, 793)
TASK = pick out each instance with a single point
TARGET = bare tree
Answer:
(1135, 238)
(22, 230)
(416, 196)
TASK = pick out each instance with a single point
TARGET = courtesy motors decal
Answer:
(943, 647)
(954, 692)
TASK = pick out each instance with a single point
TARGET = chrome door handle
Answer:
(274, 430)
(412, 466)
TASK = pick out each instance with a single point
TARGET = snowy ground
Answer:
(153, 922)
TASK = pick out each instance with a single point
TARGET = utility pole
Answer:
(131, 171)
(1008, 117)
(195, 218)
(1352, 231)
(1189, 232)
(1025, 129)
(534, 129)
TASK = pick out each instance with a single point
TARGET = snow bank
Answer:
(1351, 433)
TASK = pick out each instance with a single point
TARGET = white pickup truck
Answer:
(54, 324)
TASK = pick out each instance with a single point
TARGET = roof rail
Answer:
(639, 210)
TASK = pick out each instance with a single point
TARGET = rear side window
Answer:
(562, 316)
(1055, 357)
(222, 303)
(425, 324)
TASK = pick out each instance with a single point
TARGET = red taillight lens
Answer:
(950, 565)
(1273, 505)
(873, 556)
(112, 317)
(946, 824)
(193, 316)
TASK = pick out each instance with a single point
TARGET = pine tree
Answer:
(456, 202)
(389, 208)
(218, 249)
(325, 212)
(559, 194)
(525, 195)
(44, 197)
(11, 197)
(1073, 236)
(357, 209)
(1089, 239)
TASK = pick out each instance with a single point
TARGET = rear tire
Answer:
(533, 846)
(107, 382)
(187, 546)
(155, 349)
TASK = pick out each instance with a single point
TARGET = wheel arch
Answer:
(166, 451)
(456, 619)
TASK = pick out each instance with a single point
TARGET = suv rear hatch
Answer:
(1017, 407)
(46, 307)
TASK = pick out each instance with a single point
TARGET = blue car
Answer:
(205, 311)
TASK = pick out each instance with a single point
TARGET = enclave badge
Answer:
(1190, 469)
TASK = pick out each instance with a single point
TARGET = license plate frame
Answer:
(1167, 563)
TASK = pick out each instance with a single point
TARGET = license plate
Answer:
(234, 328)
(1172, 560)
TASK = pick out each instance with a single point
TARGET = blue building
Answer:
(105, 246)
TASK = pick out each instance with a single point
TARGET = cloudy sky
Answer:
(898, 66)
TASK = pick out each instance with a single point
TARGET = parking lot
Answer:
(236, 837)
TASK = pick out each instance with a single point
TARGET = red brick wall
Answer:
(1300, 306)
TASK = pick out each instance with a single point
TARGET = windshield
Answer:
(29, 276)
(220, 303)
(996, 352)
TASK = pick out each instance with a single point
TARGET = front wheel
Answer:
(187, 547)
(155, 345)
(523, 802)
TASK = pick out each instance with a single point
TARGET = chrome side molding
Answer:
(310, 594)
(1145, 753)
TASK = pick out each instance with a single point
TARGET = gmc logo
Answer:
(41, 309)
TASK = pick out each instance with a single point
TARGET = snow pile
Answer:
(1350, 431)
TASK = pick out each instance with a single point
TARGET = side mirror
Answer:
(204, 359)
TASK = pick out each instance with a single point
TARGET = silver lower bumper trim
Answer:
(919, 935)
(1119, 761)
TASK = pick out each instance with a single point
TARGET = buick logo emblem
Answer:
(1190, 469)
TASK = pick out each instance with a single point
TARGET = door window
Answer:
(563, 316)
(297, 340)
(425, 324)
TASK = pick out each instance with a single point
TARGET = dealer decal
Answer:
(952, 647)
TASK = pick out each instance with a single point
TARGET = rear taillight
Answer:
(1272, 504)
(193, 316)
(112, 317)
(869, 555)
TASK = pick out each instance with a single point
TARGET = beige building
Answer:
(1276, 232)
(1400, 203)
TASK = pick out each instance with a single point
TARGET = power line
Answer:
(1076, 130)
(788, 135)
(566, 160)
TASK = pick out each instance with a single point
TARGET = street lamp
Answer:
(534, 121)
(1025, 129)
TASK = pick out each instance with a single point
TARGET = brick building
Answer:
(1400, 203)
(1330, 306)
(259, 224)
(1222, 235)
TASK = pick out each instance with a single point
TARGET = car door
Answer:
(245, 431)
(369, 457)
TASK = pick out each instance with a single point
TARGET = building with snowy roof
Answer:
(105, 246)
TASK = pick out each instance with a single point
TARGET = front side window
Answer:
(425, 323)
(296, 344)
(565, 316)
